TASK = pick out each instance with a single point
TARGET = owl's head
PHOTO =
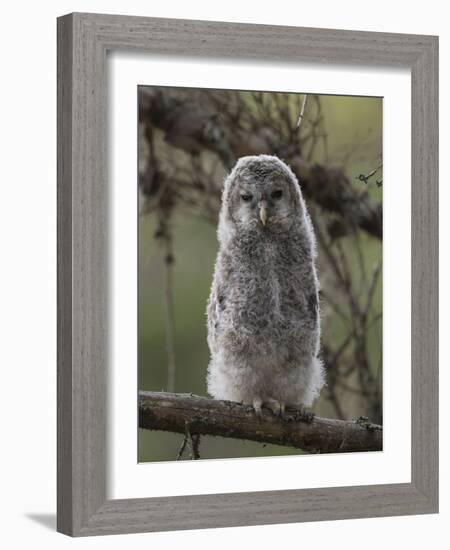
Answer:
(261, 194)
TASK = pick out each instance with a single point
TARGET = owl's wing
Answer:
(216, 308)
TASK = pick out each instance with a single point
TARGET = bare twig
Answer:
(302, 112)
(183, 447)
(365, 177)
(195, 446)
(372, 286)
(193, 441)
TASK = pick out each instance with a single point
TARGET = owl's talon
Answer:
(305, 415)
(275, 406)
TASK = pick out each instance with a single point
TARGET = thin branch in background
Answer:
(335, 401)
(372, 286)
(346, 282)
(339, 275)
(317, 131)
(170, 313)
(365, 177)
(355, 391)
(302, 112)
(361, 264)
(379, 372)
(327, 297)
(283, 115)
(336, 255)
(342, 347)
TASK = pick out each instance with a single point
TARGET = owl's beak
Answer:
(263, 215)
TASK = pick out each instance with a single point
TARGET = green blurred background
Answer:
(354, 143)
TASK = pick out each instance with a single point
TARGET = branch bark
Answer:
(174, 412)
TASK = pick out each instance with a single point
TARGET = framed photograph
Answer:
(247, 274)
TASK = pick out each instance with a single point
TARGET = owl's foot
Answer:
(277, 407)
(257, 405)
(304, 415)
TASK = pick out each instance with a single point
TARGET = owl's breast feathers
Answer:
(266, 289)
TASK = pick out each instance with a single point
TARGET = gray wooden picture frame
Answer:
(83, 42)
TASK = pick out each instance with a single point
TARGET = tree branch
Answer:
(172, 412)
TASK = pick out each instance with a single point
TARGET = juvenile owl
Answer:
(263, 310)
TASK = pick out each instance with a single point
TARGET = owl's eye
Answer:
(246, 198)
(277, 194)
